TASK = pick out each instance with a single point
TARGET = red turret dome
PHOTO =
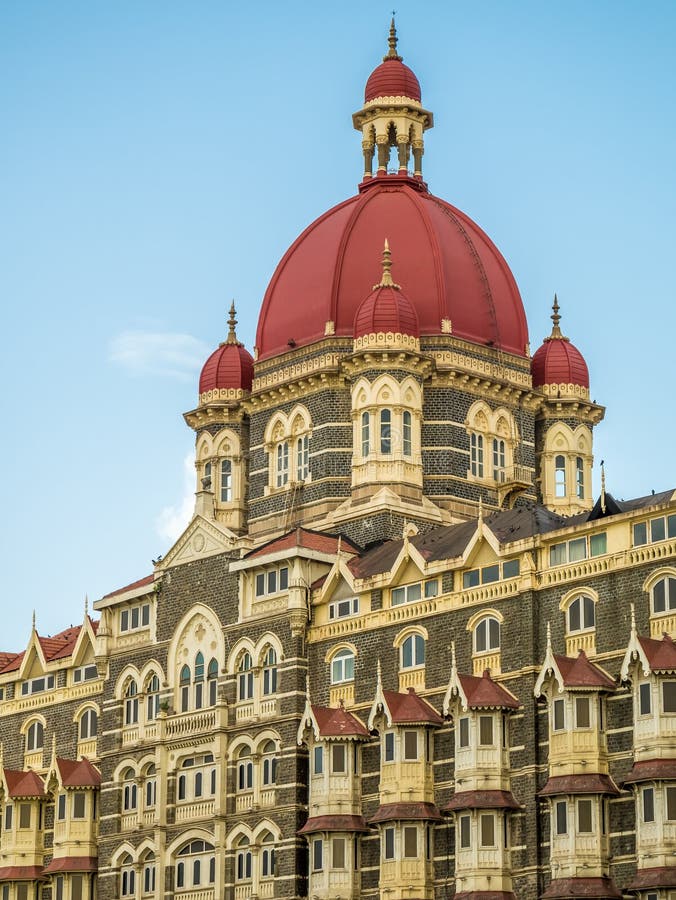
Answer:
(392, 78)
(454, 269)
(558, 361)
(386, 309)
(230, 366)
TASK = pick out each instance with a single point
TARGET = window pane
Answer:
(470, 579)
(510, 569)
(561, 817)
(659, 596)
(584, 816)
(431, 588)
(577, 549)
(78, 805)
(657, 529)
(644, 699)
(648, 805)
(486, 730)
(398, 596)
(389, 746)
(487, 831)
(272, 581)
(559, 715)
(318, 760)
(410, 745)
(25, 815)
(283, 578)
(558, 554)
(389, 843)
(598, 544)
(317, 855)
(260, 584)
(589, 612)
(385, 431)
(671, 803)
(339, 759)
(464, 732)
(490, 574)
(640, 534)
(582, 712)
(574, 615)
(669, 696)
(338, 853)
(465, 832)
(410, 841)
(671, 526)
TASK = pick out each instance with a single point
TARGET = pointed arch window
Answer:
(476, 462)
(244, 860)
(302, 458)
(199, 680)
(152, 697)
(226, 481)
(386, 431)
(184, 682)
(196, 865)
(212, 681)
(365, 434)
(129, 791)
(35, 736)
(560, 475)
(149, 873)
(131, 703)
(268, 856)
(245, 678)
(150, 796)
(244, 770)
(269, 752)
(270, 672)
(88, 724)
(127, 877)
(282, 464)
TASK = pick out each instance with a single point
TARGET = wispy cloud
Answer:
(172, 520)
(166, 354)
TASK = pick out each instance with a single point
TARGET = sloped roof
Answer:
(72, 864)
(579, 784)
(660, 654)
(24, 784)
(482, 800)
(658, 876)
(484, 693)
(54, 647)
(410, 709)
(142, 582)
(20, 873)
(580, 672)
(652, 770)
(414, 811)
(334, 823)
(594, 888)
(338, 722)
(308, 540)
(78, 773)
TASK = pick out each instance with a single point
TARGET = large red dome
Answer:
(444, 261)
(392, 79)
(230, 366)
(558, 361)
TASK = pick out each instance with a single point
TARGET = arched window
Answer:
(663, 594)
(152, 697)
(487, 635)
(476, 456)
(498, 459)
(226, 480)
(129, 791)
(199, 680)
(270, 672)
(413, 652)
(302, 458)
(184, 682)
(581, 614)
(269, 763)
(406, 433)
(207, 474)
(88, 724)
(131, 703)
(267, 856)
(127, 877)
(385, 430)
(35, 737)
(560, 475)
(365, 434)
(150, 794)
(149, 873)
(244, 770)
(282, 463)
(245, 678)
(243, 860)
(212, 681)
(579, 477)
(195, 866)
(342, 667)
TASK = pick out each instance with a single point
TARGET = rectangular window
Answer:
(644, 699)
(317, 855)
(124, 620)
(559, 715)
(577, 549)
(640, 534)
(318, 760)
(37, 685)
(338, 853)
(511, 568)
(389, 843)
(410, 593)
(486, 731)
(340, 609)
(272, 581)
(410, 745)
(85, 673)
(432, 588)
(487, 830)
(79, 805)
(598, 544)
(669, 696)
(338, 759)
(410, 841)
(671, 526)
(657, 529)
(463, 732)
(489, 574)
(260, 584)
(389, 746)
(145, 614)
(61, 808)
(24, 815)
(470, 579)
(465, 832)
(284, 578)
(582, 715)
(671, 804)
(558, 554)
(22, 891)
(584, 816)
(76, 887)
(561, 809)
(648, 797)
(135, 617)
(59, 887)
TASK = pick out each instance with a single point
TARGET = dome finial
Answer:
(392, 41)
(386, 278)
(556, 318)
(232, 323)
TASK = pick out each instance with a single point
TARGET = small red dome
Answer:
(558, 361)
(230, 366)
(392, 79)
(386, 310)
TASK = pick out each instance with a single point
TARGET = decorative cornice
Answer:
(387, 340)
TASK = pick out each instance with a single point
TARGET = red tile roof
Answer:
(338, 722)
(80, 773)
(660, 654)
(482, 800)
(388, 812)
(308, 540)
(660, 876)
(73, 864)
(20, 873)
(594, 888)
(334, 823)
(14, 662)
(579, 672)
(57, 646)
(142, 582)
(652, 770)
(579, 784)
(410, 709)
(483, 693)
(24, 784)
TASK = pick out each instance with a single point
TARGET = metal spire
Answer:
(232, 322)
(386, 278)
(603, 487)
(392, 41)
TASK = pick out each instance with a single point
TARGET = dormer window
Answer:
(272, 581)
(654, 530)
(341, 609)
(135, 617)
(37, 685)
(411, 593)
(85, 673)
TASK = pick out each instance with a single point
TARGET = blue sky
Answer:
(156, 160)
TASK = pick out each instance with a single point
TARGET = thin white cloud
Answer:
(172, 520)
(166, 354)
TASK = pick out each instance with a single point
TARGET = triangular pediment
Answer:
(201, 539)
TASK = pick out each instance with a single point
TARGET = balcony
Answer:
(189, 812)
(513, 481)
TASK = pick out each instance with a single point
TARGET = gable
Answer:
(201, 539)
